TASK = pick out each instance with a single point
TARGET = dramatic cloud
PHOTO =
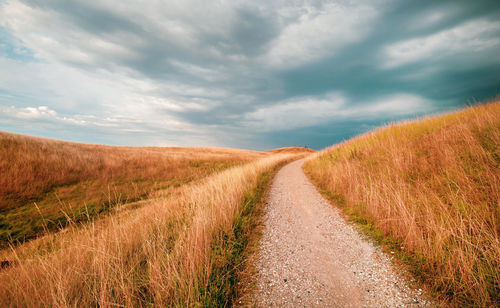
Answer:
(254, 74)
(470, 38)
(307, 111)
(319, 32)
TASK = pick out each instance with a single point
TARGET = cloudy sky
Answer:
(249, 74)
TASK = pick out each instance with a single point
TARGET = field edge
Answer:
(408, 265)
(231, 279)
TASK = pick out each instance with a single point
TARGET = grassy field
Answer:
(178, 250)
(429, 190)
(46, 183)
(182, 244)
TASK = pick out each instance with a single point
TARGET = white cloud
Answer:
(41, 113)
(53, 37)
(309, 111)
(473, 36)
(107, 94)
(320, 32)
(182, 27)
(399, 104)
(28, 113)
(298, 112)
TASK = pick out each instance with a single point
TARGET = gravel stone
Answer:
(311, 257)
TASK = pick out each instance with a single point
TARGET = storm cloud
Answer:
(251, 74)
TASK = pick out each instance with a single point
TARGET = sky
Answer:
(245, 74)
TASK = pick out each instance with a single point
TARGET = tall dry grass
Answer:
(31, 166)
(162, 254)
(44, 181)
(432, 187)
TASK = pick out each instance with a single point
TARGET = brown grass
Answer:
(432, 188)
(163, 253)
(44, 182)
(297, 150)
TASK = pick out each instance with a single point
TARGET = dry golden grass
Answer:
(73, 180)
(297, 150)
(432, 187)
(168, 252)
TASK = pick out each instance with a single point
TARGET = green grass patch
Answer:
(229, 256)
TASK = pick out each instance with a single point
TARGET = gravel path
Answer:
(309, 255)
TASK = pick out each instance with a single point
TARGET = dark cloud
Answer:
(84, 15)
(224, 71)
(357, 70)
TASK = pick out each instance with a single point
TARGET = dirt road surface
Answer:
(309, 255)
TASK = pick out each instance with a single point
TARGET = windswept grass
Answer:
(45, 183)
(177, 250)
(432, 188)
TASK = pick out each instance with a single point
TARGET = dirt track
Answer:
(309, 255)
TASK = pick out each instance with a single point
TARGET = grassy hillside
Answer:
(429, 189)
(180, 249)
(292, 150)
(46, 183)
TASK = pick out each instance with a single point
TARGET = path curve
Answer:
(309, 255)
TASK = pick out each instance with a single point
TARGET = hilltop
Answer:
(292, 150)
